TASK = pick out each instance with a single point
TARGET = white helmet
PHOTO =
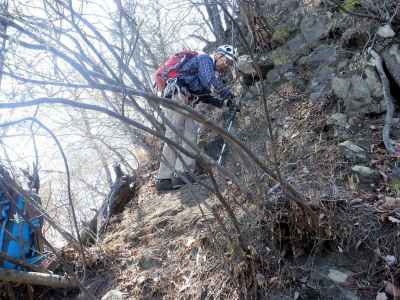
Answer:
(228, 51)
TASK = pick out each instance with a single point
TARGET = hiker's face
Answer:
(222, 63)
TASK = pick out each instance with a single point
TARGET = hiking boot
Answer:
(178, 182)
(163, 185)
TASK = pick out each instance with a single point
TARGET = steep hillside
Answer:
(327, 107)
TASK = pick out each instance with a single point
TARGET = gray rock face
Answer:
(295, 18)
(353, 152)
(275, 6)
(245, 65)
(333, 282)
(251, 94)
(391, 57)
(366, 174)
(359, 89)
(323, 55)
(280, 56)
(360, 95)
(360, 98)
(298, 47)
(274, 76)
(113, 295)
(338, 119)
(341, 126)
(315, 28)
(281, 73)
(320, 85)
(373, 83)
(341, 87)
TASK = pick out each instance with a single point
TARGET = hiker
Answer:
(194, 80)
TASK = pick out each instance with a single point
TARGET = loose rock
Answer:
(113, 295)
(366, 173)
(315, 28)
(353, 152)
(386, 31)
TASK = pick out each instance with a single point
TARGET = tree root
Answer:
(391, 146)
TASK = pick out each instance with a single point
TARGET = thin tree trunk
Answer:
(215, 18)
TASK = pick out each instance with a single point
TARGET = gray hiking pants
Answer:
(186, 127)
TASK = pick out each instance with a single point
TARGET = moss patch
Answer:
(280, 35)
(280, 57)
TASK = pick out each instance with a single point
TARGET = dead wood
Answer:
(389, 101)
(20, 262)
(36, 278)
(122, 191)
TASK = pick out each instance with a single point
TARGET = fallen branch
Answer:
(390, 145)
(20, 262)
(35, 278)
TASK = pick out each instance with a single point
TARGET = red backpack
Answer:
(170, 68)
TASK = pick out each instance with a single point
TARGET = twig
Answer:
(229, 210)
(395, 13)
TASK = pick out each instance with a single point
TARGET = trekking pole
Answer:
(228, 129)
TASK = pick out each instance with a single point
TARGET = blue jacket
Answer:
(198, 76)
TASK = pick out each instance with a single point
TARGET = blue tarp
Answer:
(18, 231)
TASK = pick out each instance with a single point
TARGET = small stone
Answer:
(386, 31)
(366, 173)
(353, 152)
(322, 55)
(390, 260)
(246, 65)
(338, 119)
(382, 296)
(113, 295)
(337, 276)
(148, 261)
(305, 170)
(356, 201)
(247, 121)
